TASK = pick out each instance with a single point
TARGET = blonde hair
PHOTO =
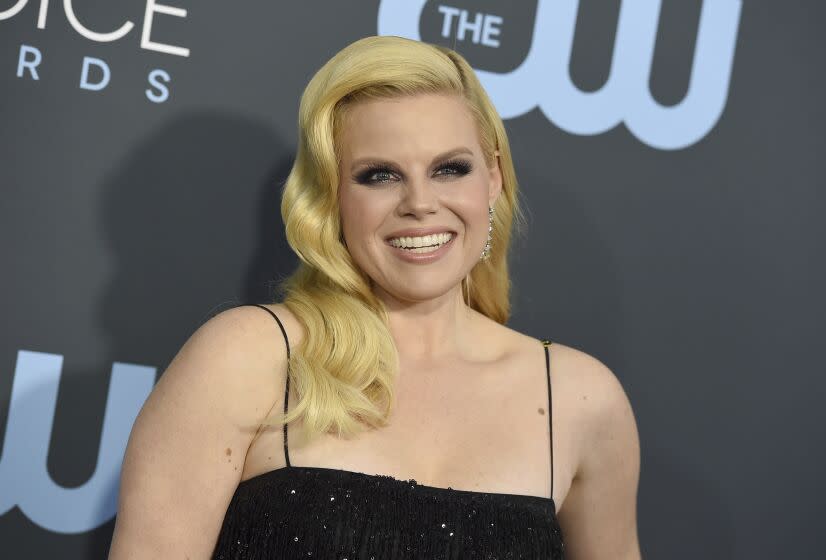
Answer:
(344, 368)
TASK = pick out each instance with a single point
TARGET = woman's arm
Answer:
(187, 448)
(599, 514)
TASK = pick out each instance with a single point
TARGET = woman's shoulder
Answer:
(246, 346)
(592, 394)
(577, 375)
(267, 325)
(248, 336)
(256, 323)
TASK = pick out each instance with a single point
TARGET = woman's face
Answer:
(414, 193)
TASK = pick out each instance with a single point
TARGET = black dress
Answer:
(316, 512)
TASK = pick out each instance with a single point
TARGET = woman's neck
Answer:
(432, 329)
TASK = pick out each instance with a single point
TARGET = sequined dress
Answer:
(317, 512)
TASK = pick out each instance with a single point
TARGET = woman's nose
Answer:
(419, 198)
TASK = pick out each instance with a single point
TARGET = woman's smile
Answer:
(422, 249)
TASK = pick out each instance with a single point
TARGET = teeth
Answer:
(423, 244)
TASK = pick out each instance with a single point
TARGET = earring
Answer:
(486, 251)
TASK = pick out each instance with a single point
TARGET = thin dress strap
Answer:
(547, 343)
(287, 390)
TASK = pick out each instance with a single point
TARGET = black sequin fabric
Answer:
(316, 512)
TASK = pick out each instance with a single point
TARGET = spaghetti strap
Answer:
(546, 343)
(287, 390)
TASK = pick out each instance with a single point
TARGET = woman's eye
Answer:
(374, 175)
(380, 175)
(455, 168)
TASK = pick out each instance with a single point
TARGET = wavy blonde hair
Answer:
(344, 368)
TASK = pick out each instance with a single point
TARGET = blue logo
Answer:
(24, 477)
(543, 79)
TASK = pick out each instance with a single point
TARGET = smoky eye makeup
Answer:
(367, 176)
(378, 173)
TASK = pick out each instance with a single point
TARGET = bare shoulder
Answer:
(602, 407)
(294, 328)
(250, 338)
(187, 447)
(592, 398)
(241, 352)
(593, 381)
(598, 515)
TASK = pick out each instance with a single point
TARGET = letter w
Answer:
(24, 477)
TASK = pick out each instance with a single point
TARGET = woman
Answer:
(420, 426)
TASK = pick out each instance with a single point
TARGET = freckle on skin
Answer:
(228, 451)
(541, 410)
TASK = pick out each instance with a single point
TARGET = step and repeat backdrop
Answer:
(670, 155)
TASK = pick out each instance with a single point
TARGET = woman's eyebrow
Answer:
(380, 161)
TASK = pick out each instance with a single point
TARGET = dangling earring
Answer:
(486, 251)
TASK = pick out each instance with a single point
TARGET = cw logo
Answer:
(543, 79)
(24, 478)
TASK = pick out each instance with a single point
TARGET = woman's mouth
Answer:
(422, 249)
(423, 244)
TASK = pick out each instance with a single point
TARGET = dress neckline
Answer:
(396, 481)
(390, 480)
